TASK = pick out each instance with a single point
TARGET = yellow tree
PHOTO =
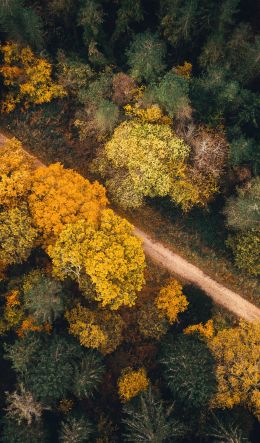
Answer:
(146, 159)
(131, 383)
(99, 329)
(171, 301)
(237, 352)
(27, 78)
(15, 173)
(109, 256)
(60, 196)
(17, 235)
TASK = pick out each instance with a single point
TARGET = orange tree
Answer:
(108, 256)
(60, 196)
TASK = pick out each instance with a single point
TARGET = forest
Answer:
(117, 115)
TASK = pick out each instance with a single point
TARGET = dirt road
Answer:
(182, 268)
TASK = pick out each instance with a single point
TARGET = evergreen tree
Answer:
(75, 429)
(148, 420)
(188, 368)
(43, 297)
(243, 210)
(146, 57)
(21, 23)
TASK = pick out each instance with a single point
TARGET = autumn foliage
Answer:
(27, 78)
(171, 301)
(15, 173)
(110, 256)
(131, 383)
(237, 353)
(61, 196)
(96, 329)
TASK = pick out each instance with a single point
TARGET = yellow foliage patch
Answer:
(237, 352)
(110, 255)
(184, 70)
(206, 330)
(171, 301)
(100, 330)
(15, 173)
(149, 115)
(27, 77)
(61, 196)
(131, 383)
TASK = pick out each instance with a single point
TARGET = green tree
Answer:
(127, 15)
(146, 57)
(183, 21)
(43, 297)
(88, 375)
(227, 427)
(75, 429)
(245, 246)
(50, 366)
(172, 94)
(188, 368)
(21, 23)
(243, 211)
(146, 418)
(13, 432)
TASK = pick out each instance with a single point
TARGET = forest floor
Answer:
(182, 268)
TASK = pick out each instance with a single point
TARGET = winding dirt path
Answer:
(178, 266)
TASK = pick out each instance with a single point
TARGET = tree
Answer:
(131, 383)
(27, 78)
(88, 375)
(150, 323)
(52, 366)
(123, 88)
(179, 20)
(172, 94)
(15, 174)
(21, 23)
(171, 301)
(246, 249)
(127, 16)
(48, 367)
(43, 297)
(237, 357)
(210, 151)
(60, 196)
(110, 256)
(147, 418)
(243, 210)
(12, 432)
(147, 160)
(226, 427)
(188, 367)
(17, 235)
(98, 329)
(146, 57)
(75, 429)
(21, 406)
